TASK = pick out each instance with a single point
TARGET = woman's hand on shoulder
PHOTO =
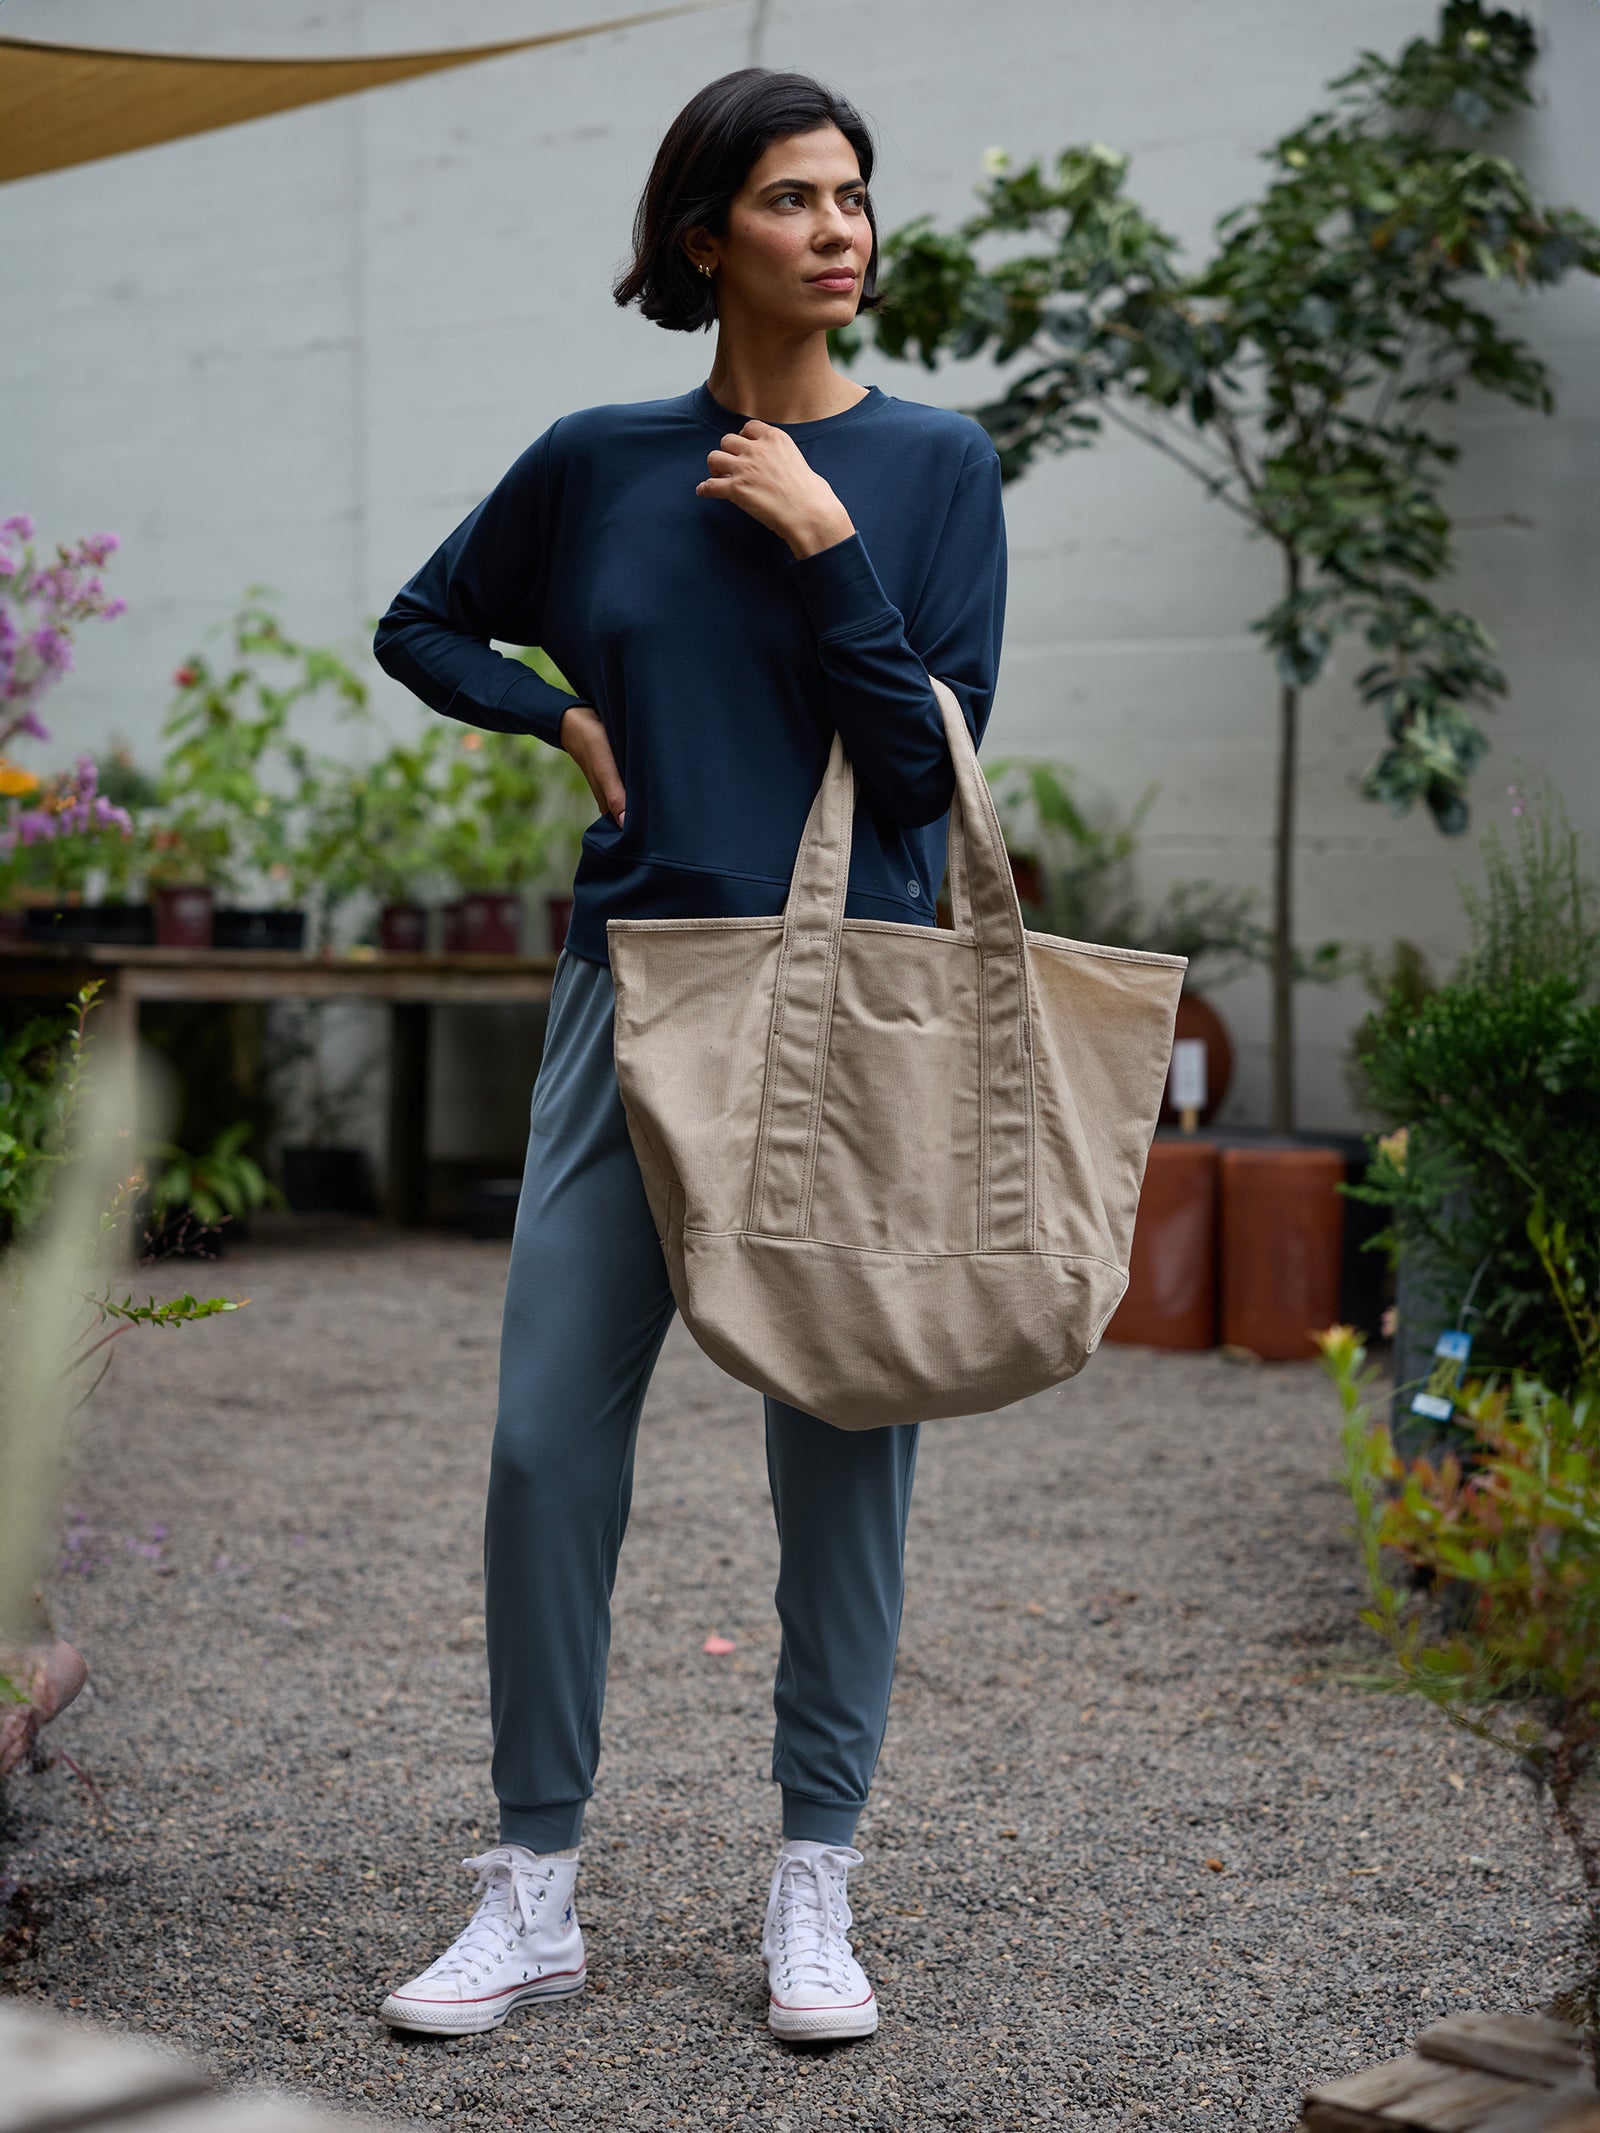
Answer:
(762, 470)
(583, 736)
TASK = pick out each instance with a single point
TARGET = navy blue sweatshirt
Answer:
(719, 662)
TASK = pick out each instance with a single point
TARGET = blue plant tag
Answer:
(1433, 1407)
(1454, 1346)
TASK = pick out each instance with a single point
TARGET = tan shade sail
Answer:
(62, 104)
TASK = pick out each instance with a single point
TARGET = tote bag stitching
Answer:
(758, 1181)
(983, 1101)
(1058, 944)
(889, 1251)
(819, 1076)
(830, 981)
(792, 936)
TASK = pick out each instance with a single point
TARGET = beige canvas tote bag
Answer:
(894, 1168)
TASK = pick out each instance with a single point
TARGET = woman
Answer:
(726, 576)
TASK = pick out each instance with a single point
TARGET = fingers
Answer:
(584, 739)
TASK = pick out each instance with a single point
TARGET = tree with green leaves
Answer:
(1290, 375)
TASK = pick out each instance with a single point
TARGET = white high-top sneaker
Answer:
(524, 1943)
(818, 1989)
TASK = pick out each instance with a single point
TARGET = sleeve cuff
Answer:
(840, 589)
(536, 702)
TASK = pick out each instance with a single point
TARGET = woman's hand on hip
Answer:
(583, 736)
(762, 470)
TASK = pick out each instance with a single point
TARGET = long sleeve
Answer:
(486, 580)
(876, 662)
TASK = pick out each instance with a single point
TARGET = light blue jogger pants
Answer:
(587, 1307)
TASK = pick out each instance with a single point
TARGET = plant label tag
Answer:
(1454, 1347)
(1186, 1082)
(1433, 1407)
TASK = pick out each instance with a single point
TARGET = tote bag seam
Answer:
(780, 1005)
(984, 1064)
(819, 1075)
(889, 1251)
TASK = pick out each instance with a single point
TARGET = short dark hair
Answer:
(708, 151)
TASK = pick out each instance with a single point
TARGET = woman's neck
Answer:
(790, 384)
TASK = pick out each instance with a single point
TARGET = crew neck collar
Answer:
(712, 412)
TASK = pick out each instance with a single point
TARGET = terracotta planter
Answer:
(560, 910)
(1198, 1021)
(491, 922)
(1282, 1236)
(403, 929)
(184, 915)
(1171, 1299)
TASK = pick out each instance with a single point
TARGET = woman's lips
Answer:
(833, 281)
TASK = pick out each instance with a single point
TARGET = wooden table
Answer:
(413, 985)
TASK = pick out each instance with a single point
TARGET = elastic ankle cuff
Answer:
(555, 1828)
(818, 1821)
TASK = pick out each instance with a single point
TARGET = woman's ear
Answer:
(698, 247)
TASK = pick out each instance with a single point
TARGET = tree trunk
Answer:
(1283, 894)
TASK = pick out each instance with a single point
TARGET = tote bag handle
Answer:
(986, 914)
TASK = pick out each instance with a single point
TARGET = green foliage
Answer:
(1537, 914)
(1290, 374)
(1510, 1538)
(1494, 1078)
(42, 1065)
(373, 827)
(511, 811)
(1076, 880)
(237, 777)
(218, 1182)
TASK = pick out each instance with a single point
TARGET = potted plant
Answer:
(492, 838)
(371, 830)
(324, 1169)
(192, 1195)
(186, 855)
(1488, 1086)
(65, 840)
(235, 778)
(41, 605)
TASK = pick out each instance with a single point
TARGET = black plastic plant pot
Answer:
(82, 925)
(328, 1181)
(238, 928)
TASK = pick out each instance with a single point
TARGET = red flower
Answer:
(186, 677)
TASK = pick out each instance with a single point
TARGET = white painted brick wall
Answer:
(299, 350)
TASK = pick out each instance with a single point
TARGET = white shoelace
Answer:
(808, 1917)
(511, 1888)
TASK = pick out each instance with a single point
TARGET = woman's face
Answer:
(798, 239)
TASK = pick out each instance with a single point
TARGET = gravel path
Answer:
(1135, 1856)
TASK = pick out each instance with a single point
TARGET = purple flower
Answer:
(53, 649)
(31, 724)
(21, 525)
(34, 826)
(8, 563)
(113, 608)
